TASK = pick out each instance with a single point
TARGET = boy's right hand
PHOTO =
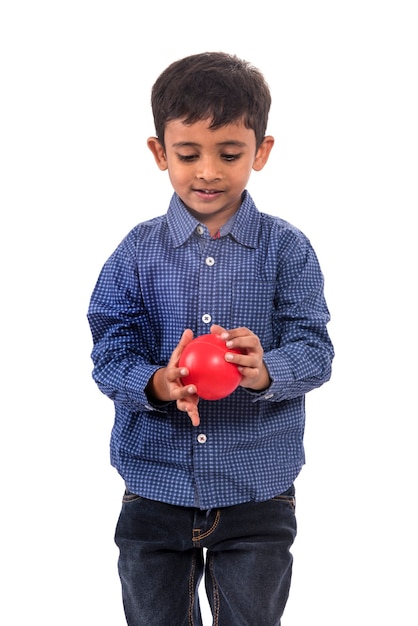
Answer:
(166, 383)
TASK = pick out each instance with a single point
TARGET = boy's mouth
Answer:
(208, 192)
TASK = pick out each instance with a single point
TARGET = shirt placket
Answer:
(207, 314)
(208, 272)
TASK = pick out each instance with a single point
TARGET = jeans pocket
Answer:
(287, 497)
(129, 497)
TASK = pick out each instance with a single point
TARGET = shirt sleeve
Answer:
(303, 357)
(122, 337)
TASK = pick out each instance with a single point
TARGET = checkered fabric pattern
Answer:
(168, 274)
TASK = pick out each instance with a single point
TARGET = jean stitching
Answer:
(198, 537)
(130, 498)
(216, 601)
(192, 591)
(287, 499)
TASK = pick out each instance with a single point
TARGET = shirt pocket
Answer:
(253, 307)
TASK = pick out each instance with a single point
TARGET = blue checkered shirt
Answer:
(168, 274)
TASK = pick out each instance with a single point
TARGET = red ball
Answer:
(213, 377)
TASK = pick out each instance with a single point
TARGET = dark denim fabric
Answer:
(248, 561)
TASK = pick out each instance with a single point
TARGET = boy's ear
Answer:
(263, 153)
(158, 151)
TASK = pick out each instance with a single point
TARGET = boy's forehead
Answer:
(178, 131)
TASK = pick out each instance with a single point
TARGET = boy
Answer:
(209, 474)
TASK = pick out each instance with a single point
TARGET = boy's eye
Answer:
(188, 158)
(230, 157)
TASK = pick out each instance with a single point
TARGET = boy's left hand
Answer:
(166, 385)
(250, 363)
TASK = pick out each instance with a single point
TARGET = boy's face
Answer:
(209, 169)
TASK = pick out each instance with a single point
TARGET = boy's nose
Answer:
(207, 170)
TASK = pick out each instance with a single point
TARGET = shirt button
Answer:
(199, 230)
(202, 438)
(206, 318)
(210, 261)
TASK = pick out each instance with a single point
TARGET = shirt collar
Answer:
(244, 227)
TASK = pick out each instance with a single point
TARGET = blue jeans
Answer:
(248, 561)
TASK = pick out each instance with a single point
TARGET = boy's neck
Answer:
(213, 223)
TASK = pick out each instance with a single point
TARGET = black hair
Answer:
(211, 85)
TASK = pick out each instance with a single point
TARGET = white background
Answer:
(76, 176)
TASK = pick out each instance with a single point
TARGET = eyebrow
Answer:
(194, 144)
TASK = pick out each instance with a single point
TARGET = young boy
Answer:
(209, 474)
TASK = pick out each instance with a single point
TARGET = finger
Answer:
(191, 410)
(174, 373)
(244, 360)
(185, 339)
(248, 344)
(194, 417)
(215, 329)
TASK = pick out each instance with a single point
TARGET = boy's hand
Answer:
(250, 363)
(166, 383)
